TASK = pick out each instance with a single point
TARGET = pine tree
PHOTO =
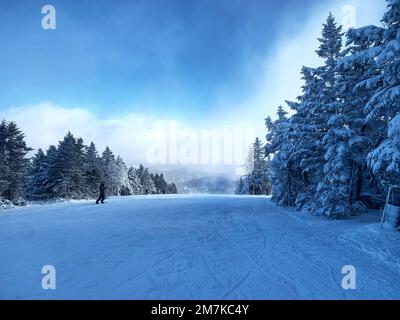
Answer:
(67, 169)
(163, 185)
(3, 158)
(172, 189)
(258, 179)
(37, 178)
(124, 188)
(134, 181)
(305, 130)
(147, 182)
(349, 137)
(280, 147)
(302, 155)
(13, 160)
(110, 171)
(385, 103)
(93, 170)
(51, 172)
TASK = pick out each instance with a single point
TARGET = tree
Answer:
(134, 181)
(162, 184)
(110, 171)
(385, 160)
(172, 189)
(93, 170)
(384, 106)
(147, 182)
(124, 187)
(3, 158)
(302, 140)
(280, 148)
(67, 169)
(13, 160)
(37, 178)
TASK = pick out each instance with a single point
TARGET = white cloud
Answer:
(279, 76)
(130, 135)
(137, 138)
(46, 124)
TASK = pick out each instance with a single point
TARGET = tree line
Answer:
(339, 151)
(70, 170)
(257, 168)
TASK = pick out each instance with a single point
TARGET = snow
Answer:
(193, 247)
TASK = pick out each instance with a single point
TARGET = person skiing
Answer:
(102, 196)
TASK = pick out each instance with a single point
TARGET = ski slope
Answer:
(192, 247)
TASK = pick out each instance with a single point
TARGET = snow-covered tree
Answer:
(110, 171)
(93, 170)
(279, 147)
(71, 170)
(147, 182)
(172, 189)
(350, 136)
(124, 187)
(302, 138)
(14, 163)
(134, 181)
(68, 169)
(257, 166)
(385, 160)
(384, 106)
(324, 113)
(37, 178)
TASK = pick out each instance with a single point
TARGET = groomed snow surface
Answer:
(193, 247)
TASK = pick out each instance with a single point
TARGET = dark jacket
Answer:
(102, 188)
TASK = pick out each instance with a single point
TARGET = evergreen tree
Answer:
(110, 171)
(384, 106)
(147, 182)
(68, 169)
(3, 157)
(303, 142)
(93, 170)
(134, 181)
(162, 184)
(124, 187)
(37, 178)
(280, 147)
(258, 179)
(349, 137)
(51, 172)
(13, 161)
(172, 189)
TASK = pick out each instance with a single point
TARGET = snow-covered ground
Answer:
(193, 247)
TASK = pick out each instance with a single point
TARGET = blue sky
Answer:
(174, 56)
(116, 72)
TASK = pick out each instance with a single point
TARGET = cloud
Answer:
(129, 135)
(279, 76)
(138, 138)
(46, 123)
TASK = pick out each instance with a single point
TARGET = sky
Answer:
(128, 73)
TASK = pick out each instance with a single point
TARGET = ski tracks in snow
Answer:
(193, 247)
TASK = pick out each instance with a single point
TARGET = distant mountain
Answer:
(209, 185)
(190, 180)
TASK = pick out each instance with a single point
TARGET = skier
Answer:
(102, 196)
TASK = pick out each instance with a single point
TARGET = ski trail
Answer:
(193, 247)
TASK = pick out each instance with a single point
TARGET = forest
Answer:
(338, 149)
(71, 170)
